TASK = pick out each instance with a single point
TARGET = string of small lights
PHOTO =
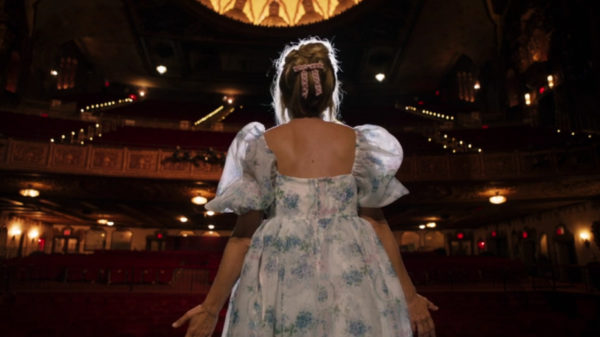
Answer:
(428, 113)
(453, 144)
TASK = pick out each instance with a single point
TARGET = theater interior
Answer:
(116, 117)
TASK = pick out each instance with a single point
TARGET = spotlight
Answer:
(182, 219)
(211, 226)
(142, 93)
(210, 213)
(380, 77)
(54, 72)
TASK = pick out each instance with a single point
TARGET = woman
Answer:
(324, 261)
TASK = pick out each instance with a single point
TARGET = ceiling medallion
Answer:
(279, 13)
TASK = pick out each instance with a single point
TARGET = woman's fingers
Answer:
(181, 320)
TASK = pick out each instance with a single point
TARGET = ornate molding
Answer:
(19, 155)
(150, 163)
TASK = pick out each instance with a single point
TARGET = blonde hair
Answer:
(288, 101)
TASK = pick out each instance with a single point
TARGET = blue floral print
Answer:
(314, 267)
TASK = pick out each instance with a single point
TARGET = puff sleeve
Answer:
(378, 158)
(247, 179)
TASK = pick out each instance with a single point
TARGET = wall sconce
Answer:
(585, 237)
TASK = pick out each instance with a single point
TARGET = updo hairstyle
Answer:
(286, 90)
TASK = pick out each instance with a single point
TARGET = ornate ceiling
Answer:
(279, 13)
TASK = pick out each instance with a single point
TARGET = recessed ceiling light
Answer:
(199, 200)
(497, 199)
(161, 69)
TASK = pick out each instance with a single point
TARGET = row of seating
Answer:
(467, 313)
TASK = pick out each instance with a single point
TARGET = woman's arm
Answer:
(418, 306)
(204, 316)
(232, 260)
(376, 218)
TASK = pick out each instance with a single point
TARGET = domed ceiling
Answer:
(279, 13)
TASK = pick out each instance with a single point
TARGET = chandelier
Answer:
(279, 13)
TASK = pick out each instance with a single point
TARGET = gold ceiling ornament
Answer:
(279, 13)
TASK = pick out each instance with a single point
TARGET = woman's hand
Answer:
(420, 319)
(202, 322)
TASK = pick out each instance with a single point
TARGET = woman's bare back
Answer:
(312, 148)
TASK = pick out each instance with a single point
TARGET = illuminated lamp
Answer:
(421, 226)
(542, 90)
(431, 224)
(159, 236)
(133, 97)
(199, 200)
(481, 244)
(497, 199)
(29, 192)
(54, 72)
(110, 223)
(527, 99)
(182, 219)
(67, 232)
(211, 226)
(380, 77)
(560, 230)
(34, 233)
(550, 80)
(210, 213)
(477, 86)
(585, 237)
(142, 93)
(15, 231)
(525, 234)
(460, 235)
(161, 69)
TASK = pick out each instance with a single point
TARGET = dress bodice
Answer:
(315, 197)
(250, 180)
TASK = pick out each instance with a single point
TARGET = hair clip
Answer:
(314, 67)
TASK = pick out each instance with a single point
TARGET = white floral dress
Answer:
(314, 268)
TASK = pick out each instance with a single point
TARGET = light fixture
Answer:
(585, 237)
(477, 86)
(161, 69)
(110, 223)
(380, 77)
(54, 72)
(34, 233)
(142, 93)
(15, 231)
(210, 213)
(102, 221)
(182, 219)
(199, 200)
(550, 80)
(431, 224)
(211, 226)
(29, 192)
(527, 99)
(421, 226)
(497, 199)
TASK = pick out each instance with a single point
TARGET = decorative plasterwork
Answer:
(279, 13)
